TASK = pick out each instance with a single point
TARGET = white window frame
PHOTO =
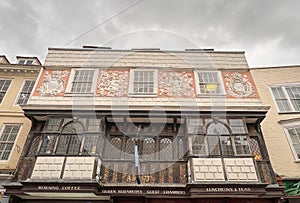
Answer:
(71, 79)
(11, 81)
(143, 94)
(21, 90)
(197, 81)
(14, 142)
(283, 88)
(297, 159)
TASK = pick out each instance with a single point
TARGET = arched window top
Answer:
(217, 128)
(73, 128)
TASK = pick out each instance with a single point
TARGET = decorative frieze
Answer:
(112, 83)
(239, 85)
(176, 84)
(53, 83)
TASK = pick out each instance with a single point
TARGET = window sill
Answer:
(142, 95)
(297, 161)
(211, 95)
(289, 112)
(70, 94)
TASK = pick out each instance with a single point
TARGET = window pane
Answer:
(166, 149)
(83, 81)
(217, 129)
(281, 100)
(237, 126)
(295, 137)
(4, 84)
(241, 145)
(143, 82)
(199, 145)
(209, 83)
(48, 144)
(7, 139)
(63, 143)
(149, 149)
(294, 94)
(226, 145)
(25, 92)
(129, 148)
(213, 145)
(255, 149)
(90, 144)
(113, 148)
(75, 143)
(94, 125)
(53, 124)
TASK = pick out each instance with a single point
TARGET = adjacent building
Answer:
(16, 83)
(279, 88)
(145, 125)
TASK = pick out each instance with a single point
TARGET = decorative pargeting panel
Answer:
(79, 168)
(240, 169)
(48, 168)
(208, 169)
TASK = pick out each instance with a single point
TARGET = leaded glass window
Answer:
(241, 145)
(94, 125)
(166, 149)
(255, 149)
(129, 148)
(149, 149)
(199, 145)
(53, 124)
(91, 143)
(69, 141)
(114, 148)
(237, 126)
(48, 144)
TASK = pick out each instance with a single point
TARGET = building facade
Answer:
(145, 125)
(16, 83)
(279, 88)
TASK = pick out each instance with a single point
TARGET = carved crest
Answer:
(238, 85)
(53, 83)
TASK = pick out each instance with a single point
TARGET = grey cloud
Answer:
(252, 25)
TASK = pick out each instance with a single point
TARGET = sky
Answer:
(267, 30)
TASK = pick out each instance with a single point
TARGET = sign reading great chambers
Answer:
(144, 191)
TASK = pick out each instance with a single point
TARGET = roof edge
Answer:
(147, 50)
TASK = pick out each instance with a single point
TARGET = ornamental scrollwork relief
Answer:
(238, 85)
(113, 83)
(53, 84)
(176, 84)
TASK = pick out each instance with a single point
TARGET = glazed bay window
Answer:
(225, 137)
(143, 82)
(294, 139)
(72, 137)
(4, 85)
(287, 97)
(82, 81)
(25, 92)
(208, 83)
(8, 137)
(156, 142)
